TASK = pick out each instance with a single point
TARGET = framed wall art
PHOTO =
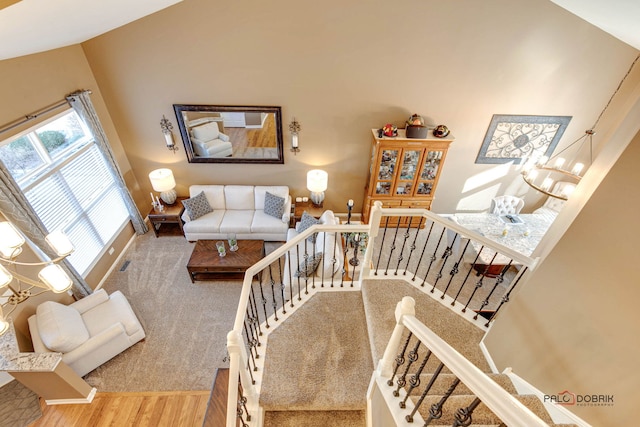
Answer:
(512, 138)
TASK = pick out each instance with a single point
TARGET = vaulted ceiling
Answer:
(32, 26)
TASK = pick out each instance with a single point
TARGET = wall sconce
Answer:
(162, 180)
(317, 181)
(167, 127)
(294, 128)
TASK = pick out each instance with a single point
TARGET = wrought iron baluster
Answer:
(399, 360)
(435, 412)
(264, 303)
(464, 282)
(334, 259)
(402, 379)
(505, 297)
(252, 347)
(424, 248)
(254, 313)
(384, 234)
(479, 283)
(274, 303)
(324, 259)
(290, 279)
(463, 417)
(242, 406)
(412, 247)
(283, 288)
(266, 318)
(433, 257)
(393, 246)
(432, 381)
(406, 235)
(499, 279)
(356, 245)
(455, 269)
(298, 270)
(445, 256)
(254, 324)
(414, 381)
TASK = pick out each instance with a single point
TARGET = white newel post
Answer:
(405, 307)
(237, 363)
(374, 228)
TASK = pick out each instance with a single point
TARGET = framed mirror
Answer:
(230, 134)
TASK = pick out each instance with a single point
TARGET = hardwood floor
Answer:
(174, 408)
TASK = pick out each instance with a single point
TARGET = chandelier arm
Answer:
(53, 261)
(562, 171)
(28, 281)
(548, 193)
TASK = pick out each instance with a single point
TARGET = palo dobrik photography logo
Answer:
(567, 398)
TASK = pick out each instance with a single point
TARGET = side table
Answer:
(170, 215)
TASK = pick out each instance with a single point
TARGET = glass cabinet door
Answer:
(386, 170)
(408, 171)
(429, 172)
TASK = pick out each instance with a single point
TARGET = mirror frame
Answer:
(188, 146)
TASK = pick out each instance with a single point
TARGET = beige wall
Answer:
(342, 68)
(574, 325)
(32, 82)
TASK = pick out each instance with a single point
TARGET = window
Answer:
(66, 180)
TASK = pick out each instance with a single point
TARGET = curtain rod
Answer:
(32, 116)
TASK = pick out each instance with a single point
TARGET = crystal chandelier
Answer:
(50, 278)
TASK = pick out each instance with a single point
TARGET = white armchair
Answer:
(506, 205)
(88, 332)
(208, 141)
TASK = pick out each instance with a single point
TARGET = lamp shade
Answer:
(5, 277)
(55, 278)
(10, 239)
(317, 180)
(162, 180)
(59, 242)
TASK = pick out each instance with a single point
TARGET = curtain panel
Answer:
(80, 101)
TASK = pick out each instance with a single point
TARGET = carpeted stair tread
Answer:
(380, 299)
(315, 419)
(329, 365)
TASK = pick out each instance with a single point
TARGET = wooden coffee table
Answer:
(206, 264)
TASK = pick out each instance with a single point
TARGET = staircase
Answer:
(331, 388)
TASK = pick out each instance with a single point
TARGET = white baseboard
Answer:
(558, 413)
(116, 262)
(487, 356)
(87, 399)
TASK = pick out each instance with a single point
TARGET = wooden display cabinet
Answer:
(404, 172)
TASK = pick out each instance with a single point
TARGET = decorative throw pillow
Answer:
(273, 205)
(307, 221)
(308, 266)
(197, 206)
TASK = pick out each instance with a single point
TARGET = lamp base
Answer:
(169, 197)
(317, 198)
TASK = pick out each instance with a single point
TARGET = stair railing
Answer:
(271, 291)
(393, 375)
(461, 266)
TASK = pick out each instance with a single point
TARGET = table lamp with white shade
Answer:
(162, 181)
(317, 181)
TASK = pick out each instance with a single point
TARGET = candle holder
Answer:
(349, 207)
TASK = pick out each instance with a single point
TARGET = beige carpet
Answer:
(186, 323)
(320, 358)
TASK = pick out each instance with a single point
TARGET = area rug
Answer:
(186, 323)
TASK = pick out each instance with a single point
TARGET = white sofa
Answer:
(208, 141)
(238, 209)
(326, 244)
(88, 332)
